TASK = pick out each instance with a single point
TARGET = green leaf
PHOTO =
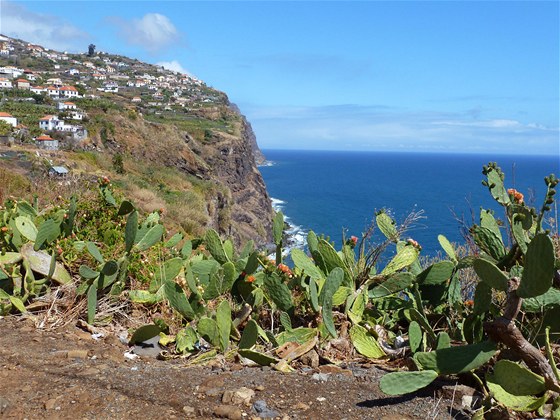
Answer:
(48, 232)
(18, 304)
(278, 227)
(215, 246)
(94, 251)
(395, 283)
(304, 263)
(186, 340)
(387, 226)
(186, 251)
(405, 257)
(223, 321)
(517, 379)
(26, 228)
(91, 303)
(454, 360)
(278, 292)
(399, 383)
(208, 329)
(143, 296)
(538, 271)
(365, 343)
(332, 283)
(490, 274)
(152, 237)
(447, 247)
(174, 240)
(125, 208)
(414, 336)
(87, 272)
(131, 230)
(110, 268)
(542, 302)
(178, 300)
(250, 335)
(257, 357)
(298, 335)
(144, 333)
(437, 273)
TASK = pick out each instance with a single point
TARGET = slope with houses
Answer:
(35, 74)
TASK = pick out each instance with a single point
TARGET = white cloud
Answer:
(46, 30)
(153, 32)
(173, 66)
(355, 127)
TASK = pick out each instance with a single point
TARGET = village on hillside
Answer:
(41, 91)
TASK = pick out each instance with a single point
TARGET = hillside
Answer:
(166, 140)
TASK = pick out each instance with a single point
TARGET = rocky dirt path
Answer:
(67, 374)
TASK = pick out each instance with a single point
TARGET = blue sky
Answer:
(445, 76)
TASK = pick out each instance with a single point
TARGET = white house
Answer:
(10, 119)
(53, 91)
(74, 72)
(46, 142)
(69, 92)
(54, 81)
(5, 83)
(49, 122)
(23, 84)
(38, 89)
(66, 105)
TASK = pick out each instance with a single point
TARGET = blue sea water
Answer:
(332, 192)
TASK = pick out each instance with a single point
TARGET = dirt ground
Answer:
(67, 374)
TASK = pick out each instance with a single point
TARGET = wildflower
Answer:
(414, 243)
(283, 268)
(250, 279)
(469, 302)
(59, 250)
(517, 196)
(354, 240)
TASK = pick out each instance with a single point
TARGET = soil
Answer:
(67, 374)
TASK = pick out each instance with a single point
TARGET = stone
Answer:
(50, 404)
(188, 410)
(228, 412)
(263, 411)
(301, 406)
(311, 359)
(4, 405)
(242, 395)
(334, 369)
(320, 377)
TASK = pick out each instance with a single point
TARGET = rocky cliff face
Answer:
(236, 201)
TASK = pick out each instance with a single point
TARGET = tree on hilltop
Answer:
(91, 50)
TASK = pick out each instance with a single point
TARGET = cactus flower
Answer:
(517, 196)
(250, 279)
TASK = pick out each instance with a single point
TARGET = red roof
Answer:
(5, 114)
(22, 81)
(47, 117)
(69, 103)
(72, 88)
(44, 137)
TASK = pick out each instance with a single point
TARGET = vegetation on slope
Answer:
(204, 297)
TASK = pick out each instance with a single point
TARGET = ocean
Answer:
(335, 192)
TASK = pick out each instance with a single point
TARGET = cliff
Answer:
(166, 139)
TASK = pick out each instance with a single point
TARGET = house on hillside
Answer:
(30, 75)
(38, 89)
(66, 105)
(136, 99)
(5, 83)
(69, 92)
(10, 119)
(47, 142)
(23, 84)
(55, 81)
(58, 171)
(99, 76)
(49, 122)
(53, 91)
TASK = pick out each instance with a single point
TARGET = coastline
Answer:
(295, 236)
